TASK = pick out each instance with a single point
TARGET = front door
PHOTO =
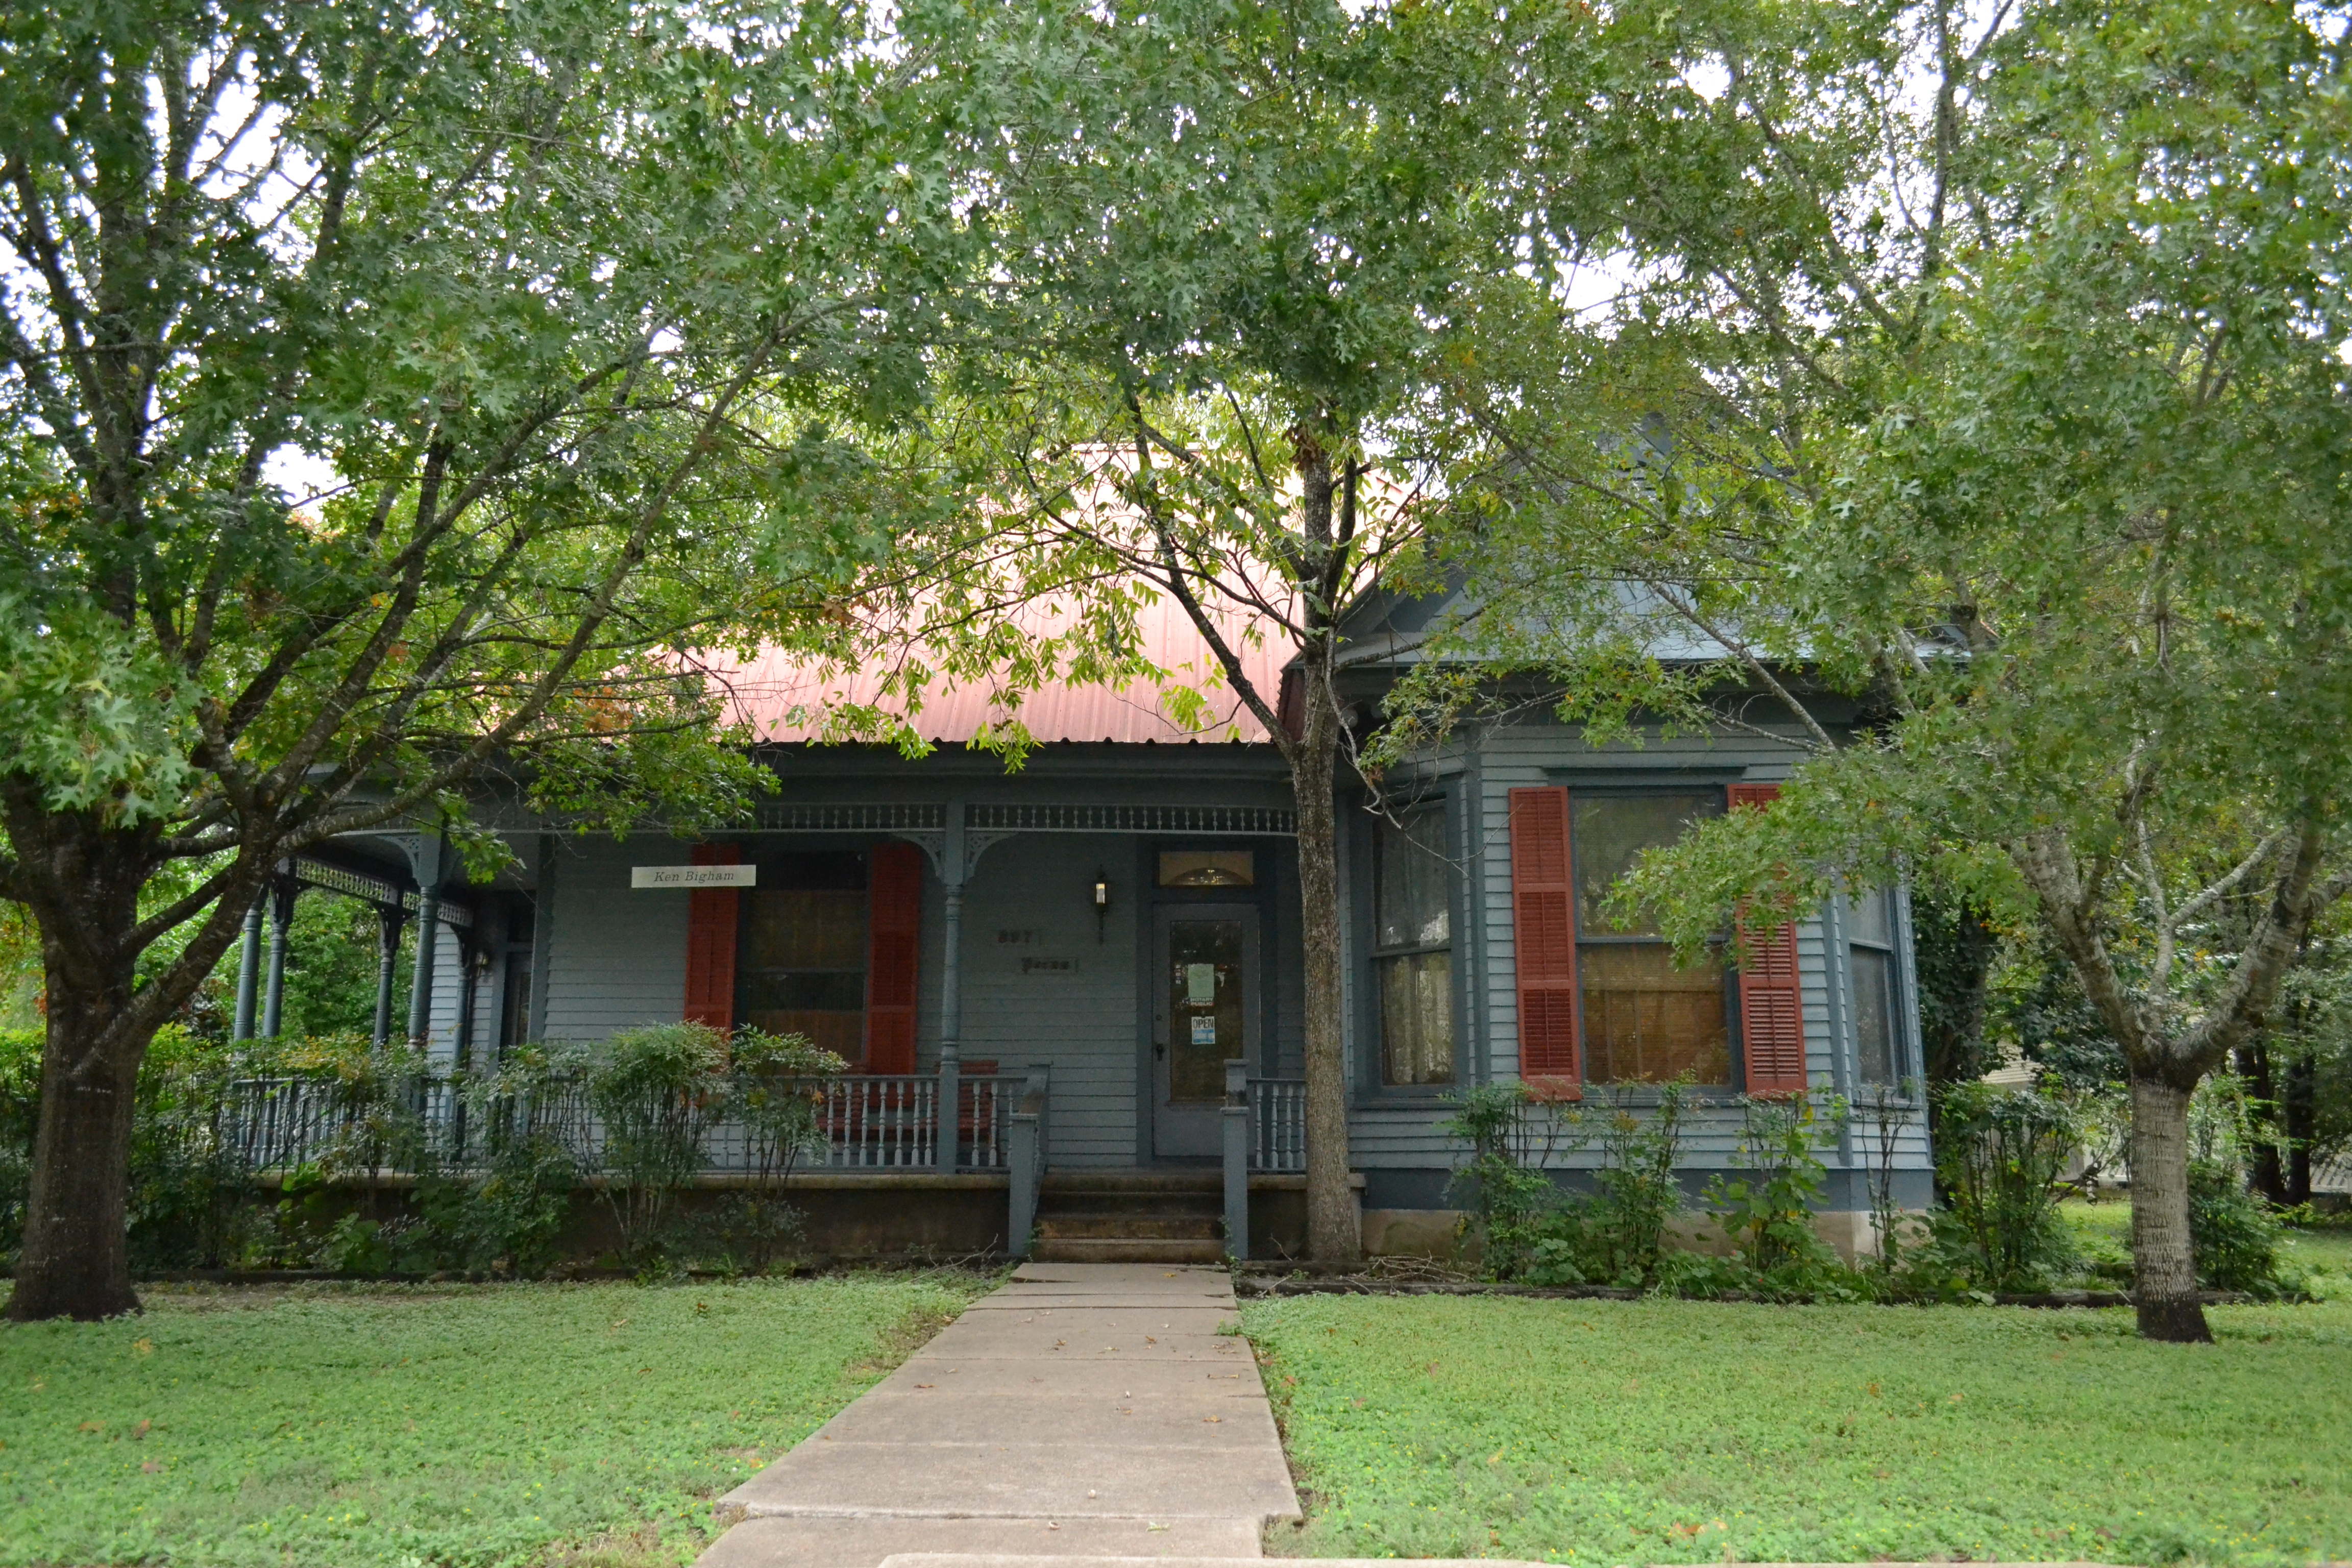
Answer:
(1205, 986)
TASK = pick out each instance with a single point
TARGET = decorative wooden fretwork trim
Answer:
(844, 817)
(1026, 818)
(335, 879)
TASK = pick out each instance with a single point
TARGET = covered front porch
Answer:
(1093, 963)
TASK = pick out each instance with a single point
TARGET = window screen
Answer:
(1413, 949)
(800, 966)
(1870, 957)
(1645, 1021)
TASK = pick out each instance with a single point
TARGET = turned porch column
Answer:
(429, 856)
(951, 873)
(389, 920)
(248, 973)
(281, 918)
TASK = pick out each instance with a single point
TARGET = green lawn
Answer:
(1677, 1431)
(2324, 1258)
(524, 1424)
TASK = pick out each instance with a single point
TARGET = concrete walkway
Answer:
(1083, 1410)
(1086, 1415)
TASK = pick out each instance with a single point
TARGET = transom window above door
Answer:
(1208, 868)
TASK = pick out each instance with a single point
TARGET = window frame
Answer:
(770, 859)
(1735, 1052)
(1438, 806)
(1902, 1046)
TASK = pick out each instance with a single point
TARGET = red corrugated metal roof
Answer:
(770, 689)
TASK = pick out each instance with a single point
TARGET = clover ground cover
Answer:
(1661, 1431)
(491, 1424)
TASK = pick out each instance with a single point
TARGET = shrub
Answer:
(192, 1189)
(502, 1207)
(1613, 1235)
(20, 1104)
(771, 1096)
(2234, 1233)
(1510, 1136)
(657, 1090)
(1999, 1160)
(368, 1095)
(356, 1245)
(1616, 1233)
(1767, 1216)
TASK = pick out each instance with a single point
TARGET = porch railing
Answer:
(864, 1121)
(1265, 1130)
(1277, 1123)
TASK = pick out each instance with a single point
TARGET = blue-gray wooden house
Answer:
(1089, 941)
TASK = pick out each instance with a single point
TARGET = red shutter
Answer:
(894, 940)
(1543, 931)
(1771, 1004)
(711, 944)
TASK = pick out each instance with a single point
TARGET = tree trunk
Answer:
(2267, 1174)
(77, 1262)
(1333, 1235)
(2300, 1117)
(81, 877)
(2164, 1285)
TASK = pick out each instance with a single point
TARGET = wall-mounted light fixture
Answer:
(1102, 903)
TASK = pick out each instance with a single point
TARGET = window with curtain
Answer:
(1413, 948)
(1870, 961)
(1644, 1020)
(800, 965)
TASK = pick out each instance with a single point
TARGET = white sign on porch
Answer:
(694, 876)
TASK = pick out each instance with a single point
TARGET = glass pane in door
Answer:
(1205, 1006)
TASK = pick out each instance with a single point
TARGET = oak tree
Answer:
(1227, 241)
(1989, 383)
(535, 285)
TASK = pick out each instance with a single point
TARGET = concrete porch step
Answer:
(1125, 1249)
(1152, 1193)
(1210, 1179)
(1207, 1205)
(1073, 1226)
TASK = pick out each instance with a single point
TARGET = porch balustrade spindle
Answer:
(1278, 1120)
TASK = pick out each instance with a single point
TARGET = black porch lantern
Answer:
(1102, 903)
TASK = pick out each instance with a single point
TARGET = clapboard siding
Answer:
(1031, 899)
(618, 958)
(447, 1007)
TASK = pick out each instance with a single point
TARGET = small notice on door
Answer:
(1201, 984)
(1204, 1028)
